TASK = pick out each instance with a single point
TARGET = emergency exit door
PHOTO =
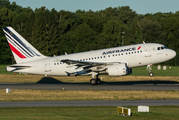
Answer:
(147, 51)
(47, 66)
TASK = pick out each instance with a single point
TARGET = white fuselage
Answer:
(133, 55)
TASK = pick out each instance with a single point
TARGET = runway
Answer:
(76, 86)
(90, 103)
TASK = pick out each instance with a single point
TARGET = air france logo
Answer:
(121, 50)
(139, 48)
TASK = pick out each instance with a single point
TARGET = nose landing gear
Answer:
(151, 74)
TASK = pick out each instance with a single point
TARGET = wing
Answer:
(82, 63)
(87, 66)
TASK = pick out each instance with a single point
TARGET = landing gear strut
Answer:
(151, 74)
(95, 81)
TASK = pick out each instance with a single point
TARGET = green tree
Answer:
(151, 31)
(113, 29)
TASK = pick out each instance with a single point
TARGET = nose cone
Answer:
(173, 54)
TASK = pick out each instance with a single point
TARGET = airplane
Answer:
(117, 61)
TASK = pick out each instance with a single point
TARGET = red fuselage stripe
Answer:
(16, 51)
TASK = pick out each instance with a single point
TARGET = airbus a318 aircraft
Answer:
(117, 61)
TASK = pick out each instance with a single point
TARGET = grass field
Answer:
(3, 70)
(84, 95)
(141, 71)
(87, 113)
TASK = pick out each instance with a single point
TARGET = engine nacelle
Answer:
(119, 70)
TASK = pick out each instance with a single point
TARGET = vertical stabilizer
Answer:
(22, 50)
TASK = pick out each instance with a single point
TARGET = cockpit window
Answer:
(165, 47)
(161, 48)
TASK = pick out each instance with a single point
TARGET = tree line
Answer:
(56, 32)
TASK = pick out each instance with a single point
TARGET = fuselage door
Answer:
(147, 51)
(47, 66)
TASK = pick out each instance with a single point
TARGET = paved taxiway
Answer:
(90, 103)
(88, 86)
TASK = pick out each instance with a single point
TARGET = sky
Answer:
(140, 6)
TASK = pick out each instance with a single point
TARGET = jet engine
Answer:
(119, 69)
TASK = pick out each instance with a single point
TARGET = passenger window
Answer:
(89, 58)
(137, 51)
(108, 55)
(158, 48)
(104, 56)
(54, 63)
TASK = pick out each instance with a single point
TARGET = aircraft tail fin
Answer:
(22, 50)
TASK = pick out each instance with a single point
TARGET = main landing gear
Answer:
(95, 81)
(151, 74)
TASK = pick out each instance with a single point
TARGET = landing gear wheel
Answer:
(98, 80)
(151, 74)
(93, 81)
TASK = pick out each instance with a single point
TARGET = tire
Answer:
(151, 74)
(93, 81)
(98, 81)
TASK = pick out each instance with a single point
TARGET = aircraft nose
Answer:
(173, 54)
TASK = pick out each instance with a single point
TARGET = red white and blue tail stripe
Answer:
(22, 50)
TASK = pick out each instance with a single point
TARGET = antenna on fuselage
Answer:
(143, 42)
(65, 53)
